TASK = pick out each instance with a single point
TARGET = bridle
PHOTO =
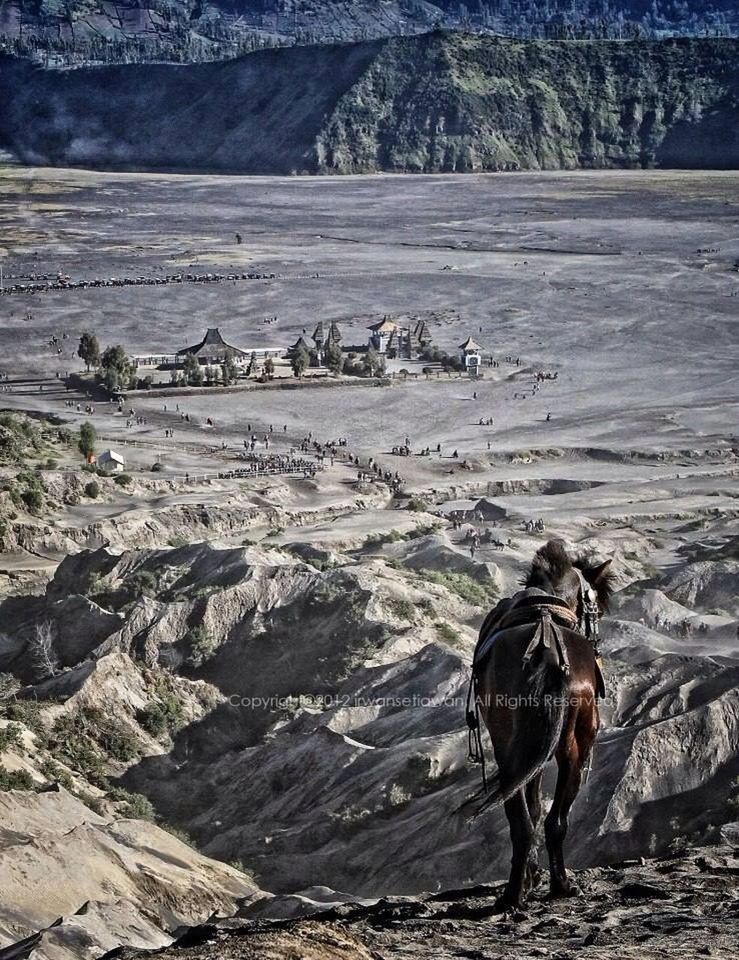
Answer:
(589, 620)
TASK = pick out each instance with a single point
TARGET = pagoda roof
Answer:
(384, 326)
(212, 343)
(422, 331)
(469, 346)
(301, 342)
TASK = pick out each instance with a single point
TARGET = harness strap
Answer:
(548, 636)
(531, 612)
(475, 750)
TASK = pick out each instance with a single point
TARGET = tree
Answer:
(115, 358)
(229, 369)
(89, 350)
(252, 368)
(373, 363)
(111, 379)
(300, 361)
(41, 649)
(117, 368)
(269, 368)
(86, 442)
(192, 370)
(334, 357)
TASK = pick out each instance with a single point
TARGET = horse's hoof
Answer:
(563, 890)
(504, 904)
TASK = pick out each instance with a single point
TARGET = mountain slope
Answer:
(186, 31)
(438, 102)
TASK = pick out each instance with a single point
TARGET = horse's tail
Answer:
(543, 702)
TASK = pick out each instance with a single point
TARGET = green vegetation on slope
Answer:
(435, 103)
(461, 103)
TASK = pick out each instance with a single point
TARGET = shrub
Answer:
(143, 584)
(135, 805)
(403, 609)
(27, 712)
(446, 632)
(416, 505)
(85, 741)
(377, 539)
(423, 530)
(56, 774)
(8, 684)
(164, 715)
(10, 736)
(15, 779)
(19, 436)
(202, 646)
(92, 489)
(157, 467)
(94, 803)
(463, 585)
(123, 479)
(33, 498)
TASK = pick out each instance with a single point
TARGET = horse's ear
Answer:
(595, 574)
(601, 580)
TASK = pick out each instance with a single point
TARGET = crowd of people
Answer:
(534, 526)
(682, 628)
(42, 283)
(262, 464)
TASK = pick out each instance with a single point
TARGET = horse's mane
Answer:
(552, 562)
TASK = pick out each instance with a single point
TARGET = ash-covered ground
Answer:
(273, 623)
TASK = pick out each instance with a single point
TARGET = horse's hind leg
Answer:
(571, 756)
(522, 837)
(533, 802)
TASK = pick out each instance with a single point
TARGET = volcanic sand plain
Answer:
(624, 283)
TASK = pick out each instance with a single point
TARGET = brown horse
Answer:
(536, 681)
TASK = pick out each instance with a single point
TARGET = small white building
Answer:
(470, 354)
(383, 334)
(110, 462)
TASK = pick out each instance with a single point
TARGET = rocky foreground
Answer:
(682, 905)
(269, 723)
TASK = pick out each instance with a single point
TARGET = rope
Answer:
(475, 750)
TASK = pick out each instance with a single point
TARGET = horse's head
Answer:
(555, 572)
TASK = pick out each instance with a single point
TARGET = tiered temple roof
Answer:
(301, 342)
(334, 334)
(212, 347)
(386, 325)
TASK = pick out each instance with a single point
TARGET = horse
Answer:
(536, 680)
